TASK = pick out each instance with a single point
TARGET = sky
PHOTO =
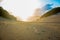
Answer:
(26, 8)
(20, 8)
(49, 4)
(54, 2)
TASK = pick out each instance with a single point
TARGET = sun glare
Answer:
(21, 8)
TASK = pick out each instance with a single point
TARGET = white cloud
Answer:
(21, 8)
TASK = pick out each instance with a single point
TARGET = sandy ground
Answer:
(11, 30)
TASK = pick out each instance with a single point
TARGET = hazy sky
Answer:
(25, 8)
(21, 8)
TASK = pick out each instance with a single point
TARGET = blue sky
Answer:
(47, 7)
(26, 8)
(54, 2)
(49, 4)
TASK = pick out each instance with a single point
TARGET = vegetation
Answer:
(51, 12)
(5, 14)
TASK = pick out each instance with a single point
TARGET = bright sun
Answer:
(21, 8)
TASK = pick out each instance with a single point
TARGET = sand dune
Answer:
(43, 29)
